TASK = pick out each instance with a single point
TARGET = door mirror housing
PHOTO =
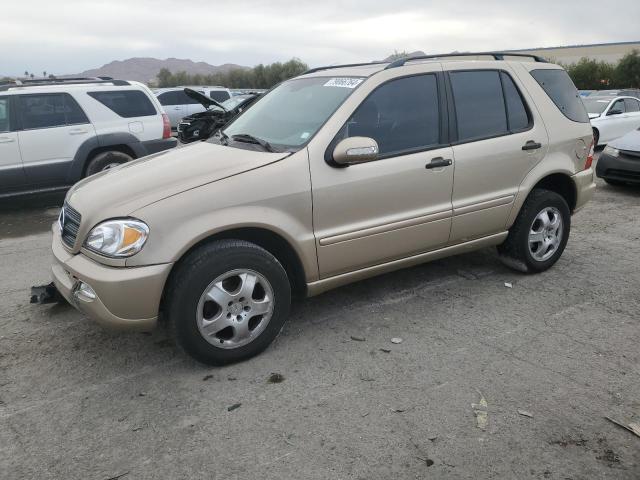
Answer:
(355, 150)
(614, 111)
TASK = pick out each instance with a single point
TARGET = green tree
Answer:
(164, 77)
(627, 72)
(590, 74)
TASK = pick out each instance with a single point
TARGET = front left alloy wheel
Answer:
(227, 301)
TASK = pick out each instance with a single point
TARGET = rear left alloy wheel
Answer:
(540, 233)
(227, 301)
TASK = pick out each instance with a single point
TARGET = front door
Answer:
(397, 205)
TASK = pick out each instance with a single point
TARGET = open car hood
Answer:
(202, 99)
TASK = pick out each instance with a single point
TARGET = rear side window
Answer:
(126, 103)
(479, 104)
(4, 114)
(219, 95)
(49, 110)
(558, 86)
(401, 115)
(517, 114)
(632, 105)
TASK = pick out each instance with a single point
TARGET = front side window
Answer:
(290, 115)
(595, 106)
(126, 103)
(49, 110)
(617, 107)
(4, 114)
(558, 86)
(401, 115)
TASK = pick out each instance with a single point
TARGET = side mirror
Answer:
(354, 150)
(614, 112)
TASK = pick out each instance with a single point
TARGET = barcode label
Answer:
(344, 82)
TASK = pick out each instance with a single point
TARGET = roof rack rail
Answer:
(60, 81)
(496, 56)
(329, 67)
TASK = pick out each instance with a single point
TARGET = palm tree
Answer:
(26, 73)
(32, 76)
(44, 74)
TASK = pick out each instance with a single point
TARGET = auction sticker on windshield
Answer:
(344, 82)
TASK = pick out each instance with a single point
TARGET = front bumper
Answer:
(125, 298)
(622, 168)
(585, 187)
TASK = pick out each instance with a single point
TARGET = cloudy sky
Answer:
(68, 36)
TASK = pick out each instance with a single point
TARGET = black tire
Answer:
(196, 272)
(105, 160)
(515, 251)
(614, 183)
(596, 138)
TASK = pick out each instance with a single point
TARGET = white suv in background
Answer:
(55, 132)
(612, 118)
(178, 104)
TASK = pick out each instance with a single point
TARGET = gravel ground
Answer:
(77, 402)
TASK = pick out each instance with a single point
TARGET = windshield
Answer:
(290, 114)
(595, 106)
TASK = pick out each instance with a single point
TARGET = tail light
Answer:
(166, 126)
(587, 164)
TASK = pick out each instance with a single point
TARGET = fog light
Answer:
(84, 291)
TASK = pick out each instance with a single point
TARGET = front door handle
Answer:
(78, 131)
(531, 145)
(438, 162)
(6, 140)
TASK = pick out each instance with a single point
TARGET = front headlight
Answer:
(612, 152)
(118, 238)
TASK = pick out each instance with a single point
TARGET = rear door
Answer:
(496, 141)
(12, 175)
(52, 126)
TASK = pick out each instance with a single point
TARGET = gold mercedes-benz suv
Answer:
(336, 175)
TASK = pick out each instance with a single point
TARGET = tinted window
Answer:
(167, 98)
(177, 97)
(4, 114)
(618, 106)
(559, 87)
(126, 103)
(49, 110)
(219, 95)
(631, 105)
(479, 104)
(400, 115)
(517, 115)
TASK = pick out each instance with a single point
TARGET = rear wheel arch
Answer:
(562, 184)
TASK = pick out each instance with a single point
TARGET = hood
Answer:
(630, 141)
(202, 99)
(594, 115)
(122, 190)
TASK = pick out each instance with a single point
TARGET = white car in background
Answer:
(178, 104)
(612, 118)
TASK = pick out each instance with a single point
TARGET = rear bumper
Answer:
(623, 169)
(155, 146)
(585, 187)
(125, 298)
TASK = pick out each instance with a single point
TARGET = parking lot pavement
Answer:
(77, 402)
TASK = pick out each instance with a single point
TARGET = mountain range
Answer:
(146, 69)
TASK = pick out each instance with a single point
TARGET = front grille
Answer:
(631, 155)
(69, 224)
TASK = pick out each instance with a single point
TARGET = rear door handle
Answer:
(531, 145)
(438, 162)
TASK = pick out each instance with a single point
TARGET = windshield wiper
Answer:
(245, 137)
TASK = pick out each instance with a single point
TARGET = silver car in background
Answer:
(178, 105)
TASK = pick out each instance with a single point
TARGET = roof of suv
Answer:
(368, 69)
(47, 85)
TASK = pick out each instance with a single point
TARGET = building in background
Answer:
(607, 52)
